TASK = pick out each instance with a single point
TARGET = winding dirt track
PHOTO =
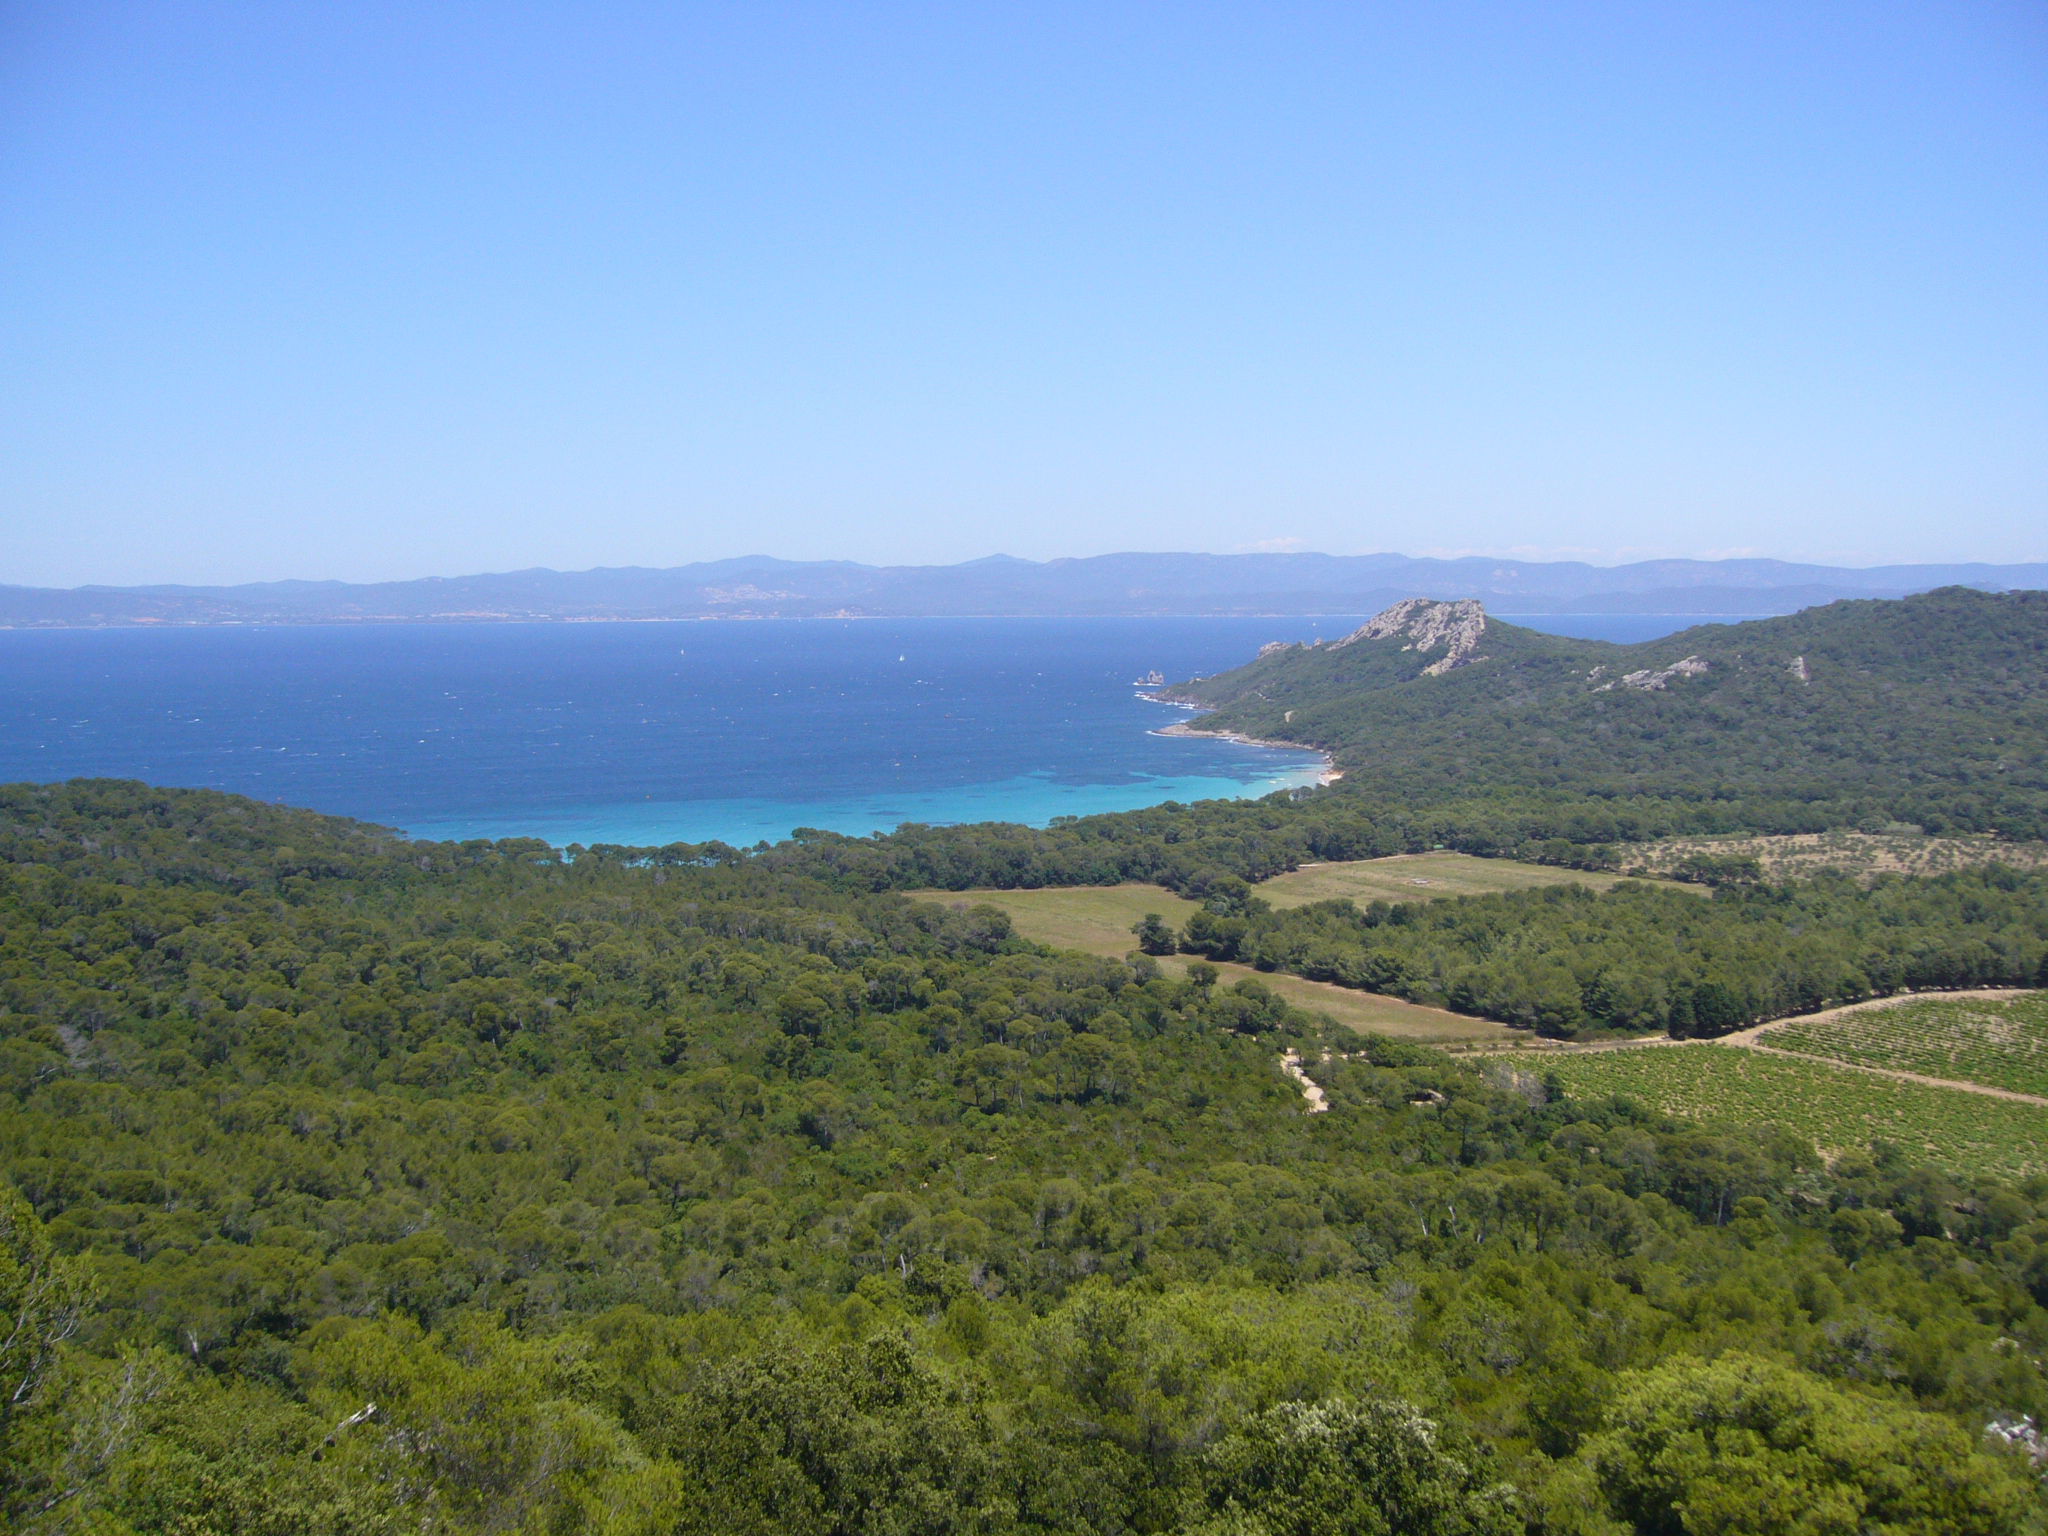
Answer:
(1318, 1101)
(1897, 1000)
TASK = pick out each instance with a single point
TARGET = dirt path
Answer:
(1743, 1037)
(1318, 1101)
(1986, 1089)
(1751, 1039)
(1897, 1000)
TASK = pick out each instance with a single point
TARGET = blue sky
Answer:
(385, 290)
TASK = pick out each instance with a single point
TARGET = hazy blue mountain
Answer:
(759, 586)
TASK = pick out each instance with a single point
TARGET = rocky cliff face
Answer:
(1651, 679)
(1427, 625)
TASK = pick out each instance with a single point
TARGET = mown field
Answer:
(2001, 1043)
(1094, 918)
(1097, 919)
(1372, 1013)
(1838, 1109)
(1419, 877)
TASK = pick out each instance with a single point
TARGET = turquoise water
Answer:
(1032, 799)
(654, 733)
(643, 733)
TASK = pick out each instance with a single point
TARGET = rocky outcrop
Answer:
(1426, 625)
(1800, 669)
(1278, 648)
(1659, 677)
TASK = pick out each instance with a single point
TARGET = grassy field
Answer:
(2003, 1044)
(1095, 918)
(1098, 919)
(1837, 1109)
(1419, 877)
(1369, 1012)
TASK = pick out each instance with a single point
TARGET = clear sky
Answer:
(377, 290)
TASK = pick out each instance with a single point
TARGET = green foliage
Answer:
(1153, 935)
(1931, 711)
(1718, 869)
(42, 1299)
(851, 1438)
(384, 1186)
(1742, 1446)
(1643, 957)
(1301, 1469)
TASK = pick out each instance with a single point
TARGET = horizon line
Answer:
(1006, 559)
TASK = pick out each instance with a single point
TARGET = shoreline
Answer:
(1330, 774)
(744, 821)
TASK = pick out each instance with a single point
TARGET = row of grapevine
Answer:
(1838, 1109)
(2000, 1043)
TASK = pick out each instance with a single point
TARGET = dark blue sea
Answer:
(655, 733)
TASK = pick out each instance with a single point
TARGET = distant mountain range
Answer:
(759, 586)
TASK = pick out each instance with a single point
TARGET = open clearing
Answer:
(1097, 919)
(1836, 1108)
(1419, 877)
(1368, 1012)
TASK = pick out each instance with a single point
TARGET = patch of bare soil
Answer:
(1318, 1101)
(1864, 855)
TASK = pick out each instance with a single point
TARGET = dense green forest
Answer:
(1645, 956)
(367, 1186)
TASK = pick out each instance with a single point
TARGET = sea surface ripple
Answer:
(645, 733)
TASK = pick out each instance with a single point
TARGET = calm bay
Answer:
(650, 733)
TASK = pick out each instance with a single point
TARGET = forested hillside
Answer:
(1923, 715)
(1932, 710)
(368, 1186)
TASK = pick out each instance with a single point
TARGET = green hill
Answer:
(1929, 710)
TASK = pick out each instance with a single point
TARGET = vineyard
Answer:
(2002, 1044)
(1836, 1109)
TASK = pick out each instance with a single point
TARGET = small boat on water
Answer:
(1151, 680)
